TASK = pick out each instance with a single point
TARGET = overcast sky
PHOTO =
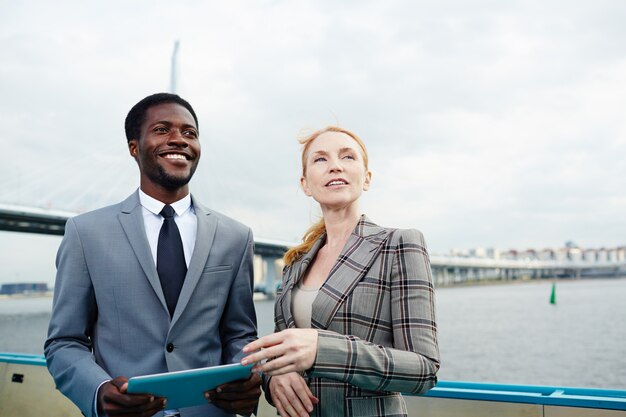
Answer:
(489, 123)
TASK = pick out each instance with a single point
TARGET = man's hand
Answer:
(238, 397)
(114, 401)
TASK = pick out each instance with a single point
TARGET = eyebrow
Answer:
(347, 149)
(342, 150)
(168, 123)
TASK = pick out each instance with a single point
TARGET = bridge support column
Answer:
(270, 275)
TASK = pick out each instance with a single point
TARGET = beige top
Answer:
(302, 297)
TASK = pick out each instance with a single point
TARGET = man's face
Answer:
(168, 149)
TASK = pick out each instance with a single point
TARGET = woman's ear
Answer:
(305, 186)
(368, 179)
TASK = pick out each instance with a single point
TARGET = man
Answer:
(142, 288)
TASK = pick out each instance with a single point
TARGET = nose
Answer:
(335, 165)
(176, 138)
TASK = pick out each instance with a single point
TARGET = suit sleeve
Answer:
(68, 348)
(411, 364)
(238, 323)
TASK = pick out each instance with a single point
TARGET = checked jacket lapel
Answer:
(295, 273)
(353, 262)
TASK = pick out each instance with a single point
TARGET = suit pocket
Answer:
(216, 268)
(369, 300)
(390, 405)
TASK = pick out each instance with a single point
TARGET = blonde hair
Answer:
(318, 229)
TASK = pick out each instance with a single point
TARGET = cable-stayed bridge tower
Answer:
(174, 68)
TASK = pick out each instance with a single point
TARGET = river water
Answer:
(506, 333)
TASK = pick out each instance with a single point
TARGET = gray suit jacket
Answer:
(109, 316)
(376, 319)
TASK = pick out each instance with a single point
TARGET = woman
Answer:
(355, 318)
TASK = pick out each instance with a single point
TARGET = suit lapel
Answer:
(205, 235)
(353, 262)
(131, 219)
(296, 272)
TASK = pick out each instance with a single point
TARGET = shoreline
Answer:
(488, 282)
(258, 296)
(47, 294)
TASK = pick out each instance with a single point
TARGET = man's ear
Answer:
(305, 186)
(368, 179)
(132, 148)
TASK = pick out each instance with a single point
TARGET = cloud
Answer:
(489, 124)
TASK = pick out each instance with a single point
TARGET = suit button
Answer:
(169, 347)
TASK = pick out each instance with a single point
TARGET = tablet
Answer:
(186, 388)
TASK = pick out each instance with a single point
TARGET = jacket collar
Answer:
(353, 262)
(131, 219)
(205, 236)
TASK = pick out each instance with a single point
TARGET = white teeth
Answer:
(336, 183)
(174, 156)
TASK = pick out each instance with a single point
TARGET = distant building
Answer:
(546, 255)
(561, 255)
(569, 253)
(621, 253)
(574, 254)
(509, 255)
(459, 253)
(603, 255)
(528, 255)
(477, 253)
(23, 288)
(590, 255)
(493, 253)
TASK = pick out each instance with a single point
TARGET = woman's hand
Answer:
(291, 395)
(291, 350)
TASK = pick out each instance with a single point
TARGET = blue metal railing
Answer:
(476, 391)
(530, 394)
(22, 358)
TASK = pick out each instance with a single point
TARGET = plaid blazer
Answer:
(376, 320)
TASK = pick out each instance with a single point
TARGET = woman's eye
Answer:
(319, 159)
(349, 157)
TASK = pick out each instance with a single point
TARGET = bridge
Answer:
(16, 218)
(446, 270)
(449, 270)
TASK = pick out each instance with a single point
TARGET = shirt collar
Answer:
(155, 206)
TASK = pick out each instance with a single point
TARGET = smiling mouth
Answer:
(336, 182)
(177, 156)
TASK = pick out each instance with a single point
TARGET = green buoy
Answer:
(553, 294)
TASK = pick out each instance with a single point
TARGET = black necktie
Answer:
(171, 264)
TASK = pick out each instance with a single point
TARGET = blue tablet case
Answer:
(186, 388)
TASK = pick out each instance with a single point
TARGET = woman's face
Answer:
(335, 173)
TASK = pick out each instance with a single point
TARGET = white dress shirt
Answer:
(187, 224)
(185, 219)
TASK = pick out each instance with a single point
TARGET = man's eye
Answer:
(191, 133)
(160, 129)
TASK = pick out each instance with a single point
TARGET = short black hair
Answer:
(137, 115)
